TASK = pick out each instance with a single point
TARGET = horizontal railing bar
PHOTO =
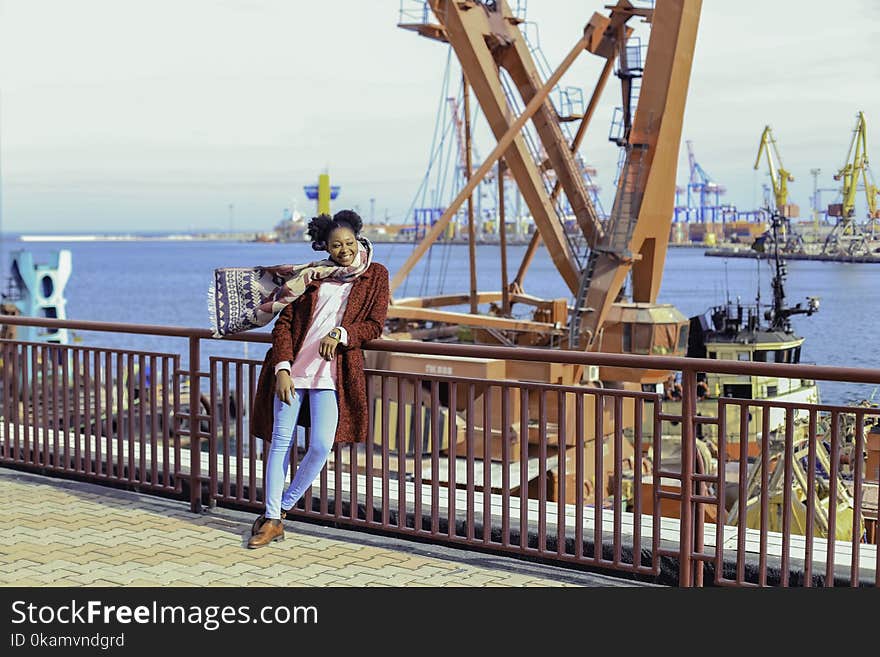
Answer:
(632, 361)
(141, 329)
(701, 499)
(734, 583)
(697, 419)
(669, 475)
(510, 383)
(822, 372)
(797, 406)
(234, 361)
(76, 347)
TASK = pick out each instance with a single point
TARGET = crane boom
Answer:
(848, 235)
(637, 236)
(855, 167)
(595, 257)
(779, 176)
(486, 38)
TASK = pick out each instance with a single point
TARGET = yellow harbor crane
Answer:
(848, 236)
(856, 167)
(779, 177)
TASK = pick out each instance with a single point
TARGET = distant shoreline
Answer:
(255, 237)
(132, 238)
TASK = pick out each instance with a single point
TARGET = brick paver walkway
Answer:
(56, 532)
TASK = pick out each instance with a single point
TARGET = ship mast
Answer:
(779, 316)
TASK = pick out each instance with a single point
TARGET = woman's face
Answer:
(342, 246)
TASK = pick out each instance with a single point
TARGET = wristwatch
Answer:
(336, 334)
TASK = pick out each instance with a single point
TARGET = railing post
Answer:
(700, 518)
(686, 538)
(195, 434)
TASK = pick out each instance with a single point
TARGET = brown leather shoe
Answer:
(271, 530)
(262, 518)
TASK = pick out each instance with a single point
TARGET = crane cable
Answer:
(444, 156)
(420, 192)
(447, 250)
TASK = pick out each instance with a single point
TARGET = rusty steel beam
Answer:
(575, 144)
(534, 193)
(466, 319)
(445, 300)
(479, 36)
(518, 62)
(502, 237)
(468, 166)
(428, 30)
(528, 256)
(655, 139)
(462, 298)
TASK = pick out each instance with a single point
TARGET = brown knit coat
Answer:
(363, 319)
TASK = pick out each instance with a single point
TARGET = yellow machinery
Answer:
(847, 235)
(799, 497)
(779, 176)
(856, 167)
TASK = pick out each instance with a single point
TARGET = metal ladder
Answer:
(576, 242)
(618, 234)
(622, 220)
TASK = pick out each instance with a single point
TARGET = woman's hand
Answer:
(284, 387)
(327, 348)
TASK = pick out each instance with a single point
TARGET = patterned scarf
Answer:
(244, 298)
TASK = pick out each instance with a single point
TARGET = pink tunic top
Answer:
(309, 370)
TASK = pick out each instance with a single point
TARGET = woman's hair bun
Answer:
(320, 227)
(318, 230)
(350, 218)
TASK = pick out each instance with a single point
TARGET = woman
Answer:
(327, 310)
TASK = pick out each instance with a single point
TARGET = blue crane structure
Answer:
(702, 196)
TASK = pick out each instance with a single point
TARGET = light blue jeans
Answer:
(324, 413)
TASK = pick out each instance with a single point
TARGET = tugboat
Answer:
(734, 331)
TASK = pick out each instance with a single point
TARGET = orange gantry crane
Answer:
(496, 61)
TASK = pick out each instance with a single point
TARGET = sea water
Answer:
(165, 282)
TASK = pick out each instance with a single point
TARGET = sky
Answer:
(128, 115)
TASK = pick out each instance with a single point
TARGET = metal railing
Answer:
(487, 457)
